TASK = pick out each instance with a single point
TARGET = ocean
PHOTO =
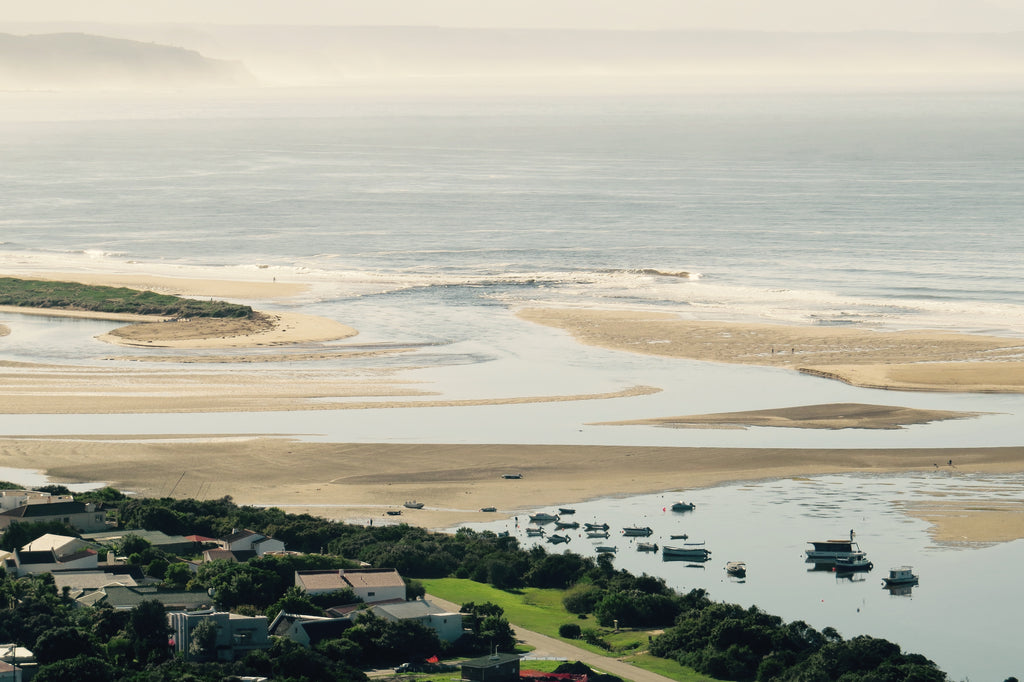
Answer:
(428, 222)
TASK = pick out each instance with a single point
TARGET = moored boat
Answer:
(596, 526)
(488, 509)
(394, 512)
(737, 569)
(858, 561)
(566, 524)
(683, 506)
(597, 533)
(543, 517)
(555, 539)
(647, 547)
(682, 536)
(534, 532)
(692, 552)
(633, 531)
(901, 575)
(566, 510)
(606, 549)
(413, 504)
(830, 550)
(512, 476)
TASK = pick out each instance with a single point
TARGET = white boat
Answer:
(830, 550)
(858, 561)
(686, 551)
(901, 575)
(637, 532)
(413, 504)
(736, 568)
(543, 517)
(683, 506)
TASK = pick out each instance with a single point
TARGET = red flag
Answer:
(432, 659)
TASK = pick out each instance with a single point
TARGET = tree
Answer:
(61, 643)
(294, 600)
(202, 643)
(148, 632)
(80, 669)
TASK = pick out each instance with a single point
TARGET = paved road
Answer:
(545, 646)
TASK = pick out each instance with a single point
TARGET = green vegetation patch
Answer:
(533, 608)
(73, 296)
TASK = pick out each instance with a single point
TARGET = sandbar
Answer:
(919, 360)
(827, 416)
(357, 482)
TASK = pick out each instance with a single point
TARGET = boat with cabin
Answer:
(597, 534)
(534, 532)
(566, 524)
(683, 506)
(543, 517)
(413, 504)
(647, 547)
(566, 510)
(488, 509)
(596, 526)
(556, 539)
(736, 569)
(901, 575)
(606, 549)
(858, 561)
(827, 551)
(633, 531)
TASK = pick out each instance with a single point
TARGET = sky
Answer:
(771, 15)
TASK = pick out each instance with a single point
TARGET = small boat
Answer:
(555, 539)
(606, 549)
(736, 569)
(515, 476)
(597, 533)
(534, 532)
(596, 526)
(394, 512)
(637, 532)
(854, 562)
(413, 504)
(901, 575)
(566, 510)
(683, 536)
(488, 509)
(683, 506)
(647, 547)
(566, 524)
(691, 552)
(543, 517)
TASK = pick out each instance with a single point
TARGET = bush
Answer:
(570, 631)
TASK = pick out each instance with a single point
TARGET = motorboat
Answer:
(556, 539)
(682, 536)
(488, 509)
(566, 510)
(413, 504)
(534, 532)
(646, 547)
(394, 512)
(830, 550)
(543, 517)
(683, 506)
(566, 524)
(857, 561)
(737, 569)
(596, 526)
(694, 551)
(637, 532)
(597, 533)
(901, 575)
(512, 476)
(606, 549)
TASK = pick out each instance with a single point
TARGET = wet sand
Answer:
(358, 482)
(909, 360)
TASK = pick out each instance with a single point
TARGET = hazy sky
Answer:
(775, 15)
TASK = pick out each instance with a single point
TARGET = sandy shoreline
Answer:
(357, 482)
(916, 360)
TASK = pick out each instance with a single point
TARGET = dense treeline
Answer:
(74, 296)
(723, 641)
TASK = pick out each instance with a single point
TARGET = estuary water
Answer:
(428, 222)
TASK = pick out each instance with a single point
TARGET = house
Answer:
(447, 624)
(369, 584)
(172, 544)
(241, 540)
(308, 630)
(128, 597)
(11, 499)
(237, 635)
(82, 582)
(61, 544)
(85, 517)
(241, 556)
(48, 561)
(497, 667)
(16, 663)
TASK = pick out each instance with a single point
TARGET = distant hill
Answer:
(81, 61)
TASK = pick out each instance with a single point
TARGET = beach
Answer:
(359, 482)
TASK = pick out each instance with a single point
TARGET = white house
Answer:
(242, 540)
(369, 584)
(447, 624)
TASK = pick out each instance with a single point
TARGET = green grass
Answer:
(667, 668)
(74, 296)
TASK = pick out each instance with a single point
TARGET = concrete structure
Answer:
(308, 630)
(236, 635)
(174, 544)
(48, 561)
(12, 499)
(128, 597)
(369, 584)
(447, 624)
(60, 544)
(17, 664)
(494, 668)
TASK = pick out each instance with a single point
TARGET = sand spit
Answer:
(359, 481)
(828, 416)
(923, 360)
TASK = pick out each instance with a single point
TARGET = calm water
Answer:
(951, 616)
(429, 222)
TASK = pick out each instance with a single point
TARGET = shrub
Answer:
(570, 631)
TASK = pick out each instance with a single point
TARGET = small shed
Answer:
(497, 667)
